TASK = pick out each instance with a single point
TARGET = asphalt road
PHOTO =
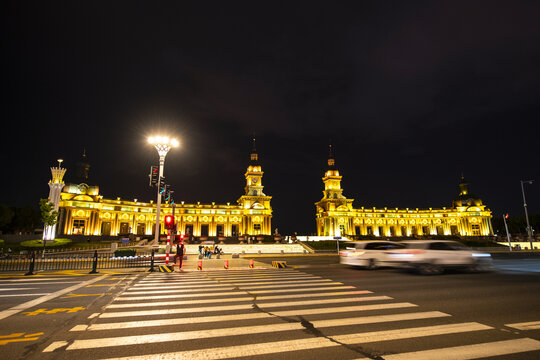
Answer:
(319, 310)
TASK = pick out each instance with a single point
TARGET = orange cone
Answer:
(199, 265)
(226, 264)
(251, 263)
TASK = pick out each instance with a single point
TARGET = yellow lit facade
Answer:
(336, 215)
(85, 212)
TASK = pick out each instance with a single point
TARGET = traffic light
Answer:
(162, 185)
(506, 216)
(169, 222)
(168, 195)
(154, 174)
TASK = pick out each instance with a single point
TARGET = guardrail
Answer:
(36, 262)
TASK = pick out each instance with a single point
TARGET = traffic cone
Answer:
(226, 264)
(199, 265)
(251, 263)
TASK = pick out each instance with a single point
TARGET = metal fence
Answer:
(38, 262)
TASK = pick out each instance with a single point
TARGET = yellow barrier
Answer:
(165, 268)
(279, 264)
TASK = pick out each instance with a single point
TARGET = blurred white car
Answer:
(432, 257)
(368, 254)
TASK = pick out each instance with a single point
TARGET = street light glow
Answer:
(163, 140)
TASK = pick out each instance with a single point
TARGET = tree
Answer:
(6, 215)
(49, 217)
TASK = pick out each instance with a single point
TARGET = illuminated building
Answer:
(336, 215)
(83, 211)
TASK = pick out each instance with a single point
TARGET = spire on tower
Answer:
(254, 155)
(331, 160)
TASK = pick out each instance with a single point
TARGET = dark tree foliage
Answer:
(516, 224)
(19, 220)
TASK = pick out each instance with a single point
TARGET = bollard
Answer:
(32, 263)
(251, 263)
(152, 262)
(226, 264)
(94, 264)
(199, 265)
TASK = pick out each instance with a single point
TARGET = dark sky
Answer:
(412, 94)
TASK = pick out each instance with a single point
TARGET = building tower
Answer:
(333, 202)
(56, 184)
(255, 203)
(82, 169)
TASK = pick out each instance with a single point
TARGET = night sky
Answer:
(411, 95)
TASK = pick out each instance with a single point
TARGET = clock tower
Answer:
(254, 175)
(255, 204)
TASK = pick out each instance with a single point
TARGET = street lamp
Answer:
(529, 230)
(162, 144)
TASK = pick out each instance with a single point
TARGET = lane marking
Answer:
(259, 298)
(261, 305)
(19, 337)
(250, 316)
(110, 285)
(181, 292)
(53, 311)
(225, 279)
(531, 325)
(18, 308)
(70, 296)
(225, 308)
(55, 345)
(483, 350)
(249, 283)
(44, 283)
(178, 336)
(242, 287)
(167, 322)
(33, 279)
(93, 315)
(341, 309)
(13, 289)
(251, 350)
(13, 295)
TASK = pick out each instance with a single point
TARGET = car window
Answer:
(440, 246)
(415, 245)
(372, 246)
(396, 246)
(359, 246)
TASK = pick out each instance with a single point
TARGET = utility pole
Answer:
(529, 230)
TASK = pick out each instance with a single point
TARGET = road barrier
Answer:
(93, 262)
(279, 264)
(166, 268)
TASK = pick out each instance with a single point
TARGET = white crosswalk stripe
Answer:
(177, 309)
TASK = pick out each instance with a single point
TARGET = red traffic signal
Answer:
(506, 216)
(169, 222)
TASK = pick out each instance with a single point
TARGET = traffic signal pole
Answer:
(158, 209)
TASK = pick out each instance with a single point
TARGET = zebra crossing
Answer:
(274, 314)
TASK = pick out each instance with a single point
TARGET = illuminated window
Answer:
(475, 229)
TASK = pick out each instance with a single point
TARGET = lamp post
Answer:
(162, 144)
(529, 230)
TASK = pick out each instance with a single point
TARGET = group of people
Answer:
(207, 251)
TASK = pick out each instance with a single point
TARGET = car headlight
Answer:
(481, 255)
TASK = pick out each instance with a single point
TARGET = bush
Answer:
(36, 244)
(326, 244)
(125, 252)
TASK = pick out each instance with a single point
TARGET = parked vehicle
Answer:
(368, 254)
(431, 257)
